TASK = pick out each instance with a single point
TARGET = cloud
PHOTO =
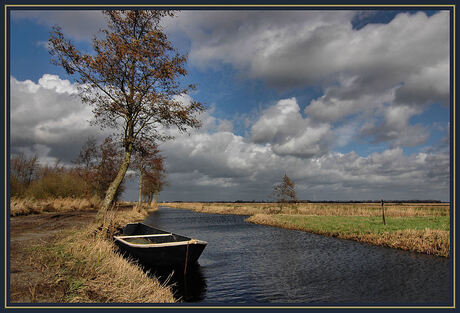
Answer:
(49, 114)
(403, 63)
(374, 80)
(243, 38)
(213, 163)
(366, 74)
(78, 24)
(396, 129)
(224, 166)
(288, 133)
(299, 48)
(344, 99)
(43, 44)
(41, 151)
(220, 165)
(443, 144)
(345, 134)
(288, 48)
(429, 84)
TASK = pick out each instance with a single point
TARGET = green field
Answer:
(366, 224)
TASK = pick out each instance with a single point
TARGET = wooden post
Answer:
(383, 212)
(186, 260)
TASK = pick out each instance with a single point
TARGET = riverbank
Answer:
(399, 233)
(419, 227)
(63, 257)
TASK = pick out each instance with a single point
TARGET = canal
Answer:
(245, 263)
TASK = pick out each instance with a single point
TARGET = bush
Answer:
(57, 185)
(91, 175)
(17, 188)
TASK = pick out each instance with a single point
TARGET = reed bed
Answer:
(25, 206)
(334, 209)
(217, 208)
(83, 267)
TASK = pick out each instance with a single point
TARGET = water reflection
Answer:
(188, 284)
(189, 287)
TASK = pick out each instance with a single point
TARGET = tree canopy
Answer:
(131, 79)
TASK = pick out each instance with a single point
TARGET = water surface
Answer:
(245, 263)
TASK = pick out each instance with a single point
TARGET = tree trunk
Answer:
(112, 190)
(155, 200)
(139, 202)
(149, 198)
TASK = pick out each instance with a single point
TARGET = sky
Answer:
(351, 105)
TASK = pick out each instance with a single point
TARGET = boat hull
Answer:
(176, 250)
(164, 256)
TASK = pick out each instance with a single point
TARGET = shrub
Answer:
(57, 185)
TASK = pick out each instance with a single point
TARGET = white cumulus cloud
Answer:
(289, 133)
(49, 113)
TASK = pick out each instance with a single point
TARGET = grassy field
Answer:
(366, 224)
(420, 227)
(335, 209)
(77, 263)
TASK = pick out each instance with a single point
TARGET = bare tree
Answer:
(22, 172)
(87, 164)
(150, 166)
(154, 181)
(131, 80)
(285, 192)
(98, 165)
(88, 156)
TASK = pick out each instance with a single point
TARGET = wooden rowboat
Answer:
(156, 247)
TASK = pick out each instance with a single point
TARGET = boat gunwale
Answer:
(159, 245)
(142, 236)
(190, 241)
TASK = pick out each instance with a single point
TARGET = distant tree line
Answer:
(90, 175)
(29, 179)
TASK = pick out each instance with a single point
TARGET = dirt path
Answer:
(26, 280)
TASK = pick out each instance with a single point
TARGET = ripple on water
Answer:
(247, 263)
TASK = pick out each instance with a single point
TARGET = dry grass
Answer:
(218, 208)
(83, 267)
(429, 241)
(21, 206)
(330, 209)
